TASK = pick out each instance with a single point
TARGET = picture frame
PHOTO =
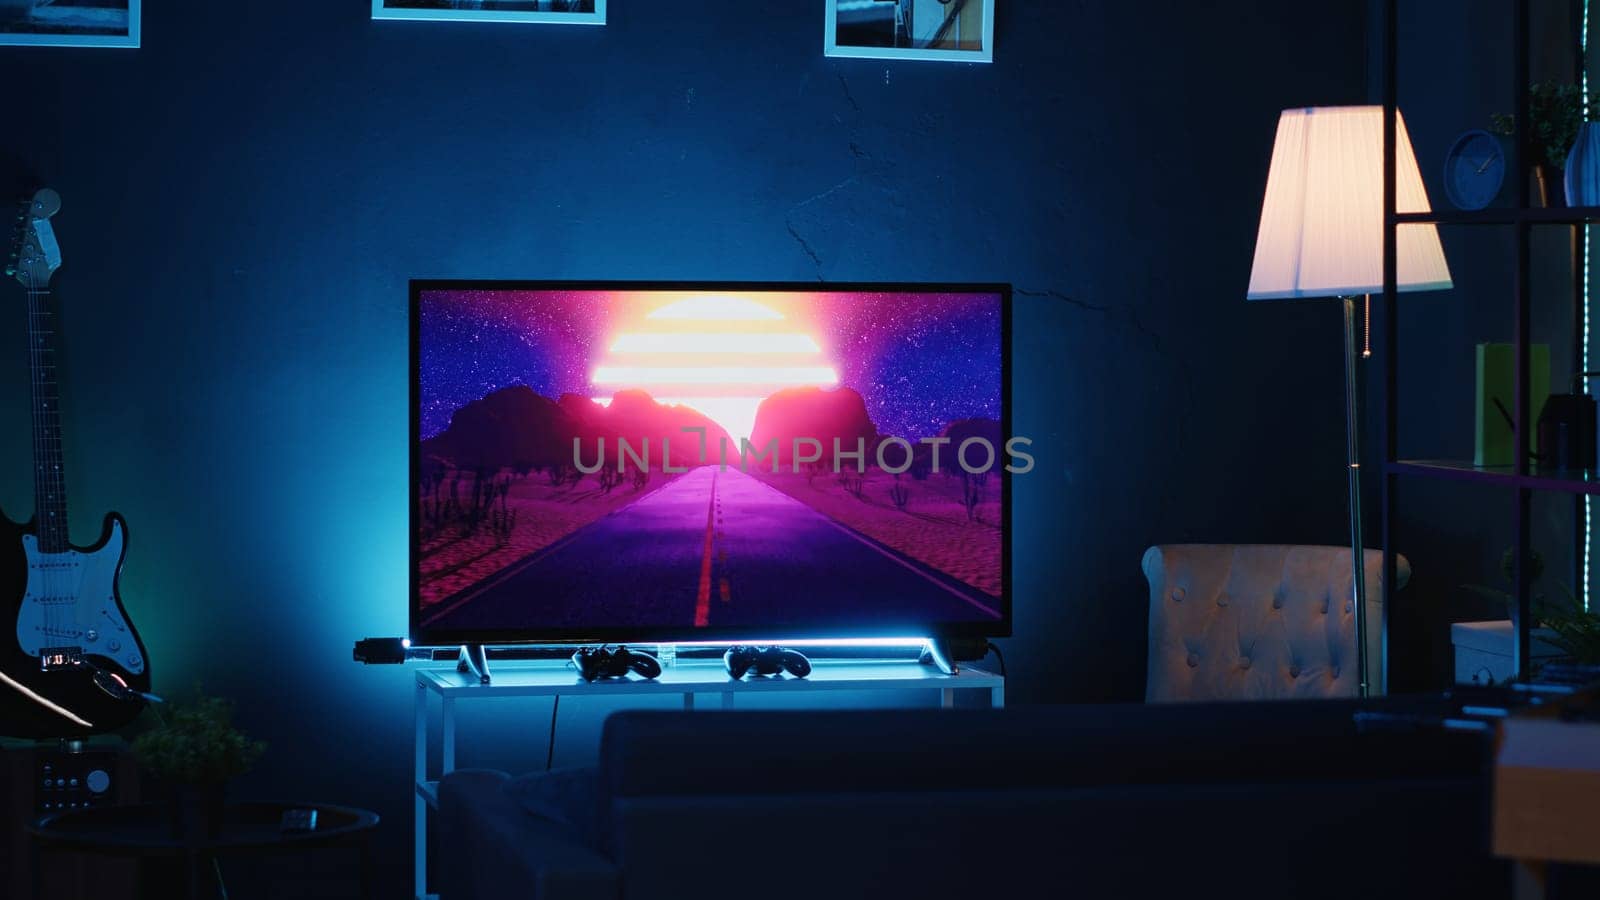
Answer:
(941, 30)
(41, 23)
(541, 12)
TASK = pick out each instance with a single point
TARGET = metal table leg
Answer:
(420, 773)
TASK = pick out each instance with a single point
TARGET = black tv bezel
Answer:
(428, 637)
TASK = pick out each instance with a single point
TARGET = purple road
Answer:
(719, 548)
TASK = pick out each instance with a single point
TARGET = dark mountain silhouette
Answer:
(810, 412)
(636, 416)
(955, 433)
(961, 430)
(512, 427)
(515, 427)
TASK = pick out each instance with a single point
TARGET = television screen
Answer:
(667, 462)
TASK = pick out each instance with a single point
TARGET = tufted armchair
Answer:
(1259, 621)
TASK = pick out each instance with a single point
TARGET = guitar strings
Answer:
(48, 484)
(38, 428)
(36, 378)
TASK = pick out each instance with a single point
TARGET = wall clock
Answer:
(1474, 170)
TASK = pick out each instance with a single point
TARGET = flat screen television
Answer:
(672, 462)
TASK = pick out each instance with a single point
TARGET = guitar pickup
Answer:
(54, 659)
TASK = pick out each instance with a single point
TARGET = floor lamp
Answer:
(1321, 235)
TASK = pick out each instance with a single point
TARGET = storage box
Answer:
(1483, 650)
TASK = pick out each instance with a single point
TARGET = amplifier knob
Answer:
(97, 780)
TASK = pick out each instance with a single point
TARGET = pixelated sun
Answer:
(721, 355)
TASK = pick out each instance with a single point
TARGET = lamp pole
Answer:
(1358, 553)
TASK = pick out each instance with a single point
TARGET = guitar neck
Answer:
(49, 482)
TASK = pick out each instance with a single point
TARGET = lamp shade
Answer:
(1322, 220)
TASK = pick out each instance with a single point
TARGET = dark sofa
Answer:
(1185, 801)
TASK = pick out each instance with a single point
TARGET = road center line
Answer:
(702, 603)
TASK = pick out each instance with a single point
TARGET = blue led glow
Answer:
(815, 642)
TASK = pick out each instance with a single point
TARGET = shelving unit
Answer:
(1570, 215)
(1572, 482)
(1521, 217)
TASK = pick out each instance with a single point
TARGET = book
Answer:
(1496, 400)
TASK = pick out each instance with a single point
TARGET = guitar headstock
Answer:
(35, 255)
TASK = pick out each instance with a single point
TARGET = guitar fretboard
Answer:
(49, 482)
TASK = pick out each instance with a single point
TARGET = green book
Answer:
(1497, 399)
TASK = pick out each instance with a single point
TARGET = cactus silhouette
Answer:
(502, 518)
(900, 493)
(441, 506)
(972, 492)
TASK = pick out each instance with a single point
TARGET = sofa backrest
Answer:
(659, 753)
(1172, 800)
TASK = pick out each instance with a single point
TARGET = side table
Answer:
(175, 867)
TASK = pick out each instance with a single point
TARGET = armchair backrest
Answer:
(1259, 621)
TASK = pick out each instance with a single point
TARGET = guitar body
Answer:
(66, 600)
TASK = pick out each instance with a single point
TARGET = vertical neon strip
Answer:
(1588, 501)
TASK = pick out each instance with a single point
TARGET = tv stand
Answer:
(474, 660)
(697, 684)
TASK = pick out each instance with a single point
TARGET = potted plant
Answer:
(194, 752)
(1574, 630)
(1556, 116)
(1577, 631)
(1508, 599)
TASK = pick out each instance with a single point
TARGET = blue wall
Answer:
(247, 195)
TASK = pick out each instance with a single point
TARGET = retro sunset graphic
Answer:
(665, 459)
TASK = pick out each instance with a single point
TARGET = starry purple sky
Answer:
(919, 360)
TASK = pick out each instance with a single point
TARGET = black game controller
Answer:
(765, 661)
(601, 662)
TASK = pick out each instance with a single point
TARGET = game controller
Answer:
(765, 661)
(602, 662)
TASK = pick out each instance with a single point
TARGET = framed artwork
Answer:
(556, 12)
(69, 23)
(949, 30)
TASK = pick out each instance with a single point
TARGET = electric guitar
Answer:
(76, 665)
